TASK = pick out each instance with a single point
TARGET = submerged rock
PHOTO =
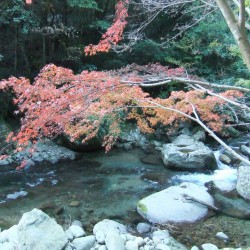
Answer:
(170, 205)
(186, 153)
(235, 207)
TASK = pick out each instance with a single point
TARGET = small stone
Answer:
(130, 237)
(114, 241)
(131, 245)
(222, 236)
(75, 232)
(77, 223)
(225, 159)
(245, 150)
(143, 228)
(84, 243)
(100, 236)
(74, 204)
(162, 247)
(209, 246)
(139, 241)
(194, 248)
(159, 236)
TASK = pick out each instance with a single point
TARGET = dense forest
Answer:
(132, 110)
(194, 36)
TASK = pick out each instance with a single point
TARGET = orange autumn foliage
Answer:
(114, 33)
(79, 106)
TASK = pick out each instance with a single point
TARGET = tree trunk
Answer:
(44, 50)
(238, 30)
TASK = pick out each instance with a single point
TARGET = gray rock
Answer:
(100, 236)
(131, 245)
(209, 246)
(143, 228)
(174, 207)
(159, 236)
(139, 241)
(243, 182)
(186, 153)
(225, 159)
(77, 223)
(84, 243)
(235, 207)
(222, 236)
(199, 136)
(114, 241)
(109, 225)
(194, 248)
(75, 232)
(35, 225)
(245, 150)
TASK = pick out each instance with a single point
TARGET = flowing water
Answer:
(109, 186)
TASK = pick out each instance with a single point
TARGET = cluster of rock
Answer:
(36, 230)
(45, 150)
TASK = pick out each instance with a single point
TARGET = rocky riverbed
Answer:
(97, 186)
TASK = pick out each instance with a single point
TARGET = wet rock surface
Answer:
(186, 153)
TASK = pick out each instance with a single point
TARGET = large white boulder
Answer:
(186, 153)
(35, 230)
(170, 205)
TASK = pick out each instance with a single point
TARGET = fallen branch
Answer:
(197, 120)
(169, 80)
(191, 198)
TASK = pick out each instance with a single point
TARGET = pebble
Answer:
(75, 232)
(143, 228)
(100, 236)
(114, 241)
(159, 236)
(74, 204)
(194, 248)
(131, 245)
(84, 242)
(139, 241)
(209, 246)
(77, 223)
(222, 236)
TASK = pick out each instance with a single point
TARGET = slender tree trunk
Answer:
(26, 59)
(237, 27)
(44, 50)
(16, 43)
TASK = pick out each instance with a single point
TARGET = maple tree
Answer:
(78, 106)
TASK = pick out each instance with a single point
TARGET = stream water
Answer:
(109, 186)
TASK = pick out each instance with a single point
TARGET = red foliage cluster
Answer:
(78, 106)
(28, 1)
(114, 33)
